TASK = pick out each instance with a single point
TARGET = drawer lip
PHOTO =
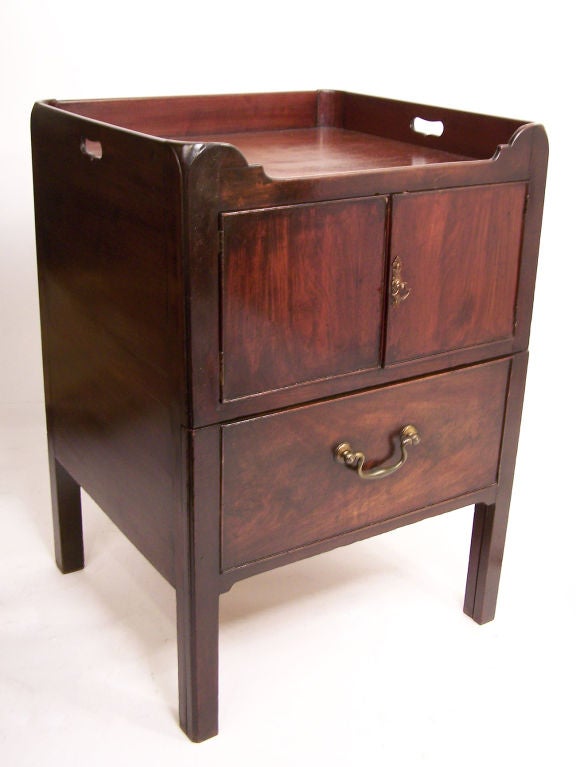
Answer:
(235, 573)
(356, 382)
(310, 498)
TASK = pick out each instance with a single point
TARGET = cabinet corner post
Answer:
(197, 583)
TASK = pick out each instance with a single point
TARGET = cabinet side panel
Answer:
(463, 133)
(108, 241)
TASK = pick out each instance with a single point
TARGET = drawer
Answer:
(282, 487)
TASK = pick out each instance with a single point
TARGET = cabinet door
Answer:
(301, 293)
(454, 258)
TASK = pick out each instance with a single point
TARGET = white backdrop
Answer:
(512, 59)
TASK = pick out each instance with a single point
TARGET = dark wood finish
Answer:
(110, 279)
(230, 577)
(142, 312)
(243, 187)
(491, 520)
(219, 181)
(464, 133)
(266, 402)
(185, 115)
(329, 109)
(282, 489)
(459, 251)
(308, 152)
(198, 586)
(203, 167)
(531, 237)
(301, 293)
(66, 518)
(487, 537)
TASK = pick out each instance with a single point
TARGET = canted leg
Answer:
(485, 564)
(198, 664)
(67, 519)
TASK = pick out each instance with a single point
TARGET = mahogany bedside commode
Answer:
(274, 324)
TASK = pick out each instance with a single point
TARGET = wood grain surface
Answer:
(301, 293)
(215, 321)
(108, 244)
(282, 489)
(324, 151)
(460, 253)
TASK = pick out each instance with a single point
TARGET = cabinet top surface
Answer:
(303, 152)
(303, 134)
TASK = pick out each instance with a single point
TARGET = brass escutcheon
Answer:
(399, 290)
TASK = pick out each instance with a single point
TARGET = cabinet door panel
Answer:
(301, 293)
(457, 251)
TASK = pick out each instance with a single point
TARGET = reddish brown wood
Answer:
(230, 577)
(459, 251)
(329, 109)
(198, 585)
(491, 520)
(140, 307)
(301, 293)
(325, 151)
(243, 187)
(282, 489)
(108, 242)
(219, 182)
(185, 115)
(531, 236)
(202, 170)
(464, 133)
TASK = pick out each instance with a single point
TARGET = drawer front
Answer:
(454, 255)
(282, 487)
(301, 294)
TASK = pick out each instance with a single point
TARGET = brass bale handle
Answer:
(343, 453)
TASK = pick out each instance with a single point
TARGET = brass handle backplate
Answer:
(344, 453)
(399, 290)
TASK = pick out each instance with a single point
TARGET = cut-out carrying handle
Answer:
(92, 149)
(427, 127)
